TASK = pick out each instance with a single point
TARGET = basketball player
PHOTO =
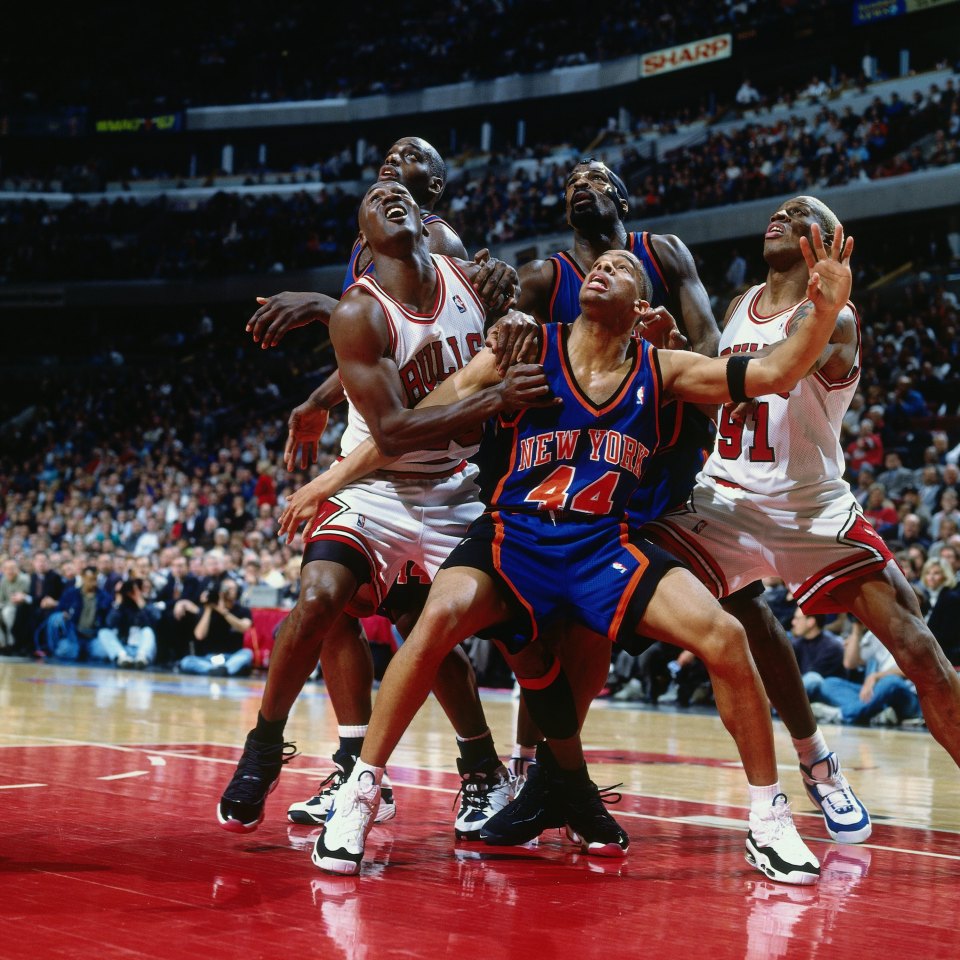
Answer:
(344, 655)
(596, 202)
(553, 541)
(396, 336)
(772, 500)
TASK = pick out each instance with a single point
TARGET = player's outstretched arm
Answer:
(478, 374)
(278, 315)
(718, 380)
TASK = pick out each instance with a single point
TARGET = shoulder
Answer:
(673, 254)
(442, 238)
(538, 272)
(358, 317)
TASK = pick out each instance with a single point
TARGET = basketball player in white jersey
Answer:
(771, 500)
(396, 336)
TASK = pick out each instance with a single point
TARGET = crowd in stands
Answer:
(131, 497)
(500, 201)
(252, 56)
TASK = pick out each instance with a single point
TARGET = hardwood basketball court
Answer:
(109, 783)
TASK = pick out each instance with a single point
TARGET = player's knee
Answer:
(724, 644)
(918, 653)
(440, 622)
(320, 603)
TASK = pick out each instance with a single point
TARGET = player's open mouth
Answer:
(581, 198)
(597, 282)
(396, 212)
(389, 172)
(775, 230)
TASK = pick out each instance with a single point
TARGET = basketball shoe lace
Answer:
(259, 766)
(352, 814)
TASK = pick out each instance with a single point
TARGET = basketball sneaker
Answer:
(241, 807)
(588, 822)
(845, 816)
(527, 816)
(313, 812)
(339, 849)
(774, 847)
(519, 768)
(484, 791)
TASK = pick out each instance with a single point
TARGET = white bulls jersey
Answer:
(427, 348)
(790, 447)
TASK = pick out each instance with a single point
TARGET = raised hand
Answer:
(830, 276)
(658, 327)
(283, 312)
(305, 427)
(496, 282)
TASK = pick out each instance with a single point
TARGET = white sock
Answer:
(361, 767)
(524, 753)
(359, 730)
(811, 749)
(761, 798)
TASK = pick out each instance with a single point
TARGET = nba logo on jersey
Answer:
(619, 567)
(640, 396)
(458, 303)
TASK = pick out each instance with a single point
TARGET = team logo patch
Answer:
(619, 567)
(640, 396)
(458, 303)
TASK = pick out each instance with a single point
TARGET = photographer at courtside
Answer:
(218, 649)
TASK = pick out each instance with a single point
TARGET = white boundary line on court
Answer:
(720, 823)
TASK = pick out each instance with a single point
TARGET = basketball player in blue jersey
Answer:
(596, 204)
(569, 472)
(396, 335)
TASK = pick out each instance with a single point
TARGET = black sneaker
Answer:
(241, 807)
(526, 817)
(582, 808)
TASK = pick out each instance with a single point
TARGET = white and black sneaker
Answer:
(774, 847)
(339, 849)
(846, 817)
(313, 812)
(519, 769)
(241, 807)
(484, 791)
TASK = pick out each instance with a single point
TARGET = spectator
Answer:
(747, 95)
(180, 600)
(948, 510)
(895, 477)
(219, 635)
(46, 588)
(80, 615)
(819, 653)
(14, 609)
(879, 510)
(129, 640)
(884, 689)
(939, 584)
(866, 449)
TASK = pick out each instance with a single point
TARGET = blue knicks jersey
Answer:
(352, 276)
(565, 299)
(581, 458)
